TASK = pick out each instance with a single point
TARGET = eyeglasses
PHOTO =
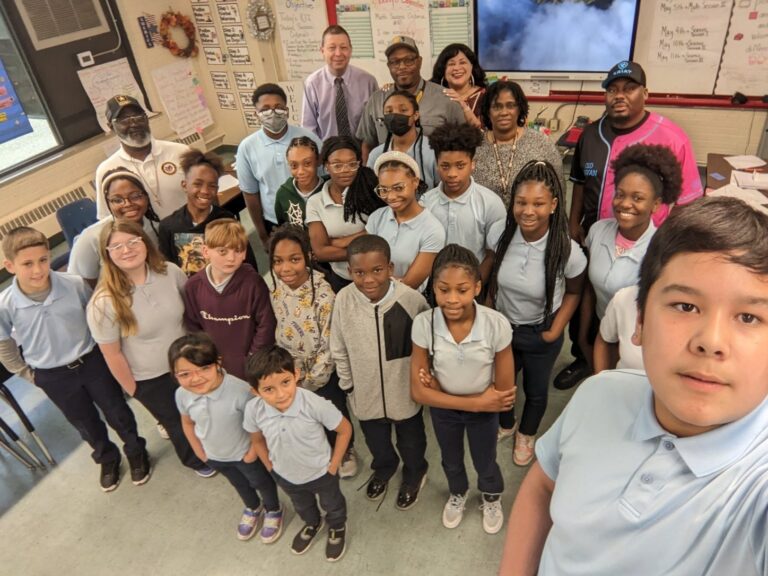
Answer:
(383, 191)
(128, 120)
(131, 244)
(269, 112)
(120, 200)
(344, 166)
(408, 61)
(187, 375)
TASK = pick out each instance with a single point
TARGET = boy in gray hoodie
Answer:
(371, 345)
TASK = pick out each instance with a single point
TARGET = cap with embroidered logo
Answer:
(402, 42)
(117, 103)
(625, 69)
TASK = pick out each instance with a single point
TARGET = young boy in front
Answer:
(47, 310)
(666, 473)
(288, 425)
(228, 299)
(371, 345)
(466, 209)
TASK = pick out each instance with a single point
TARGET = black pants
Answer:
(304, 498)
(78, 391)
(338, 398)
(250, 479)
(480, 428)
(158, 396)
(535, 358)
(411, 444)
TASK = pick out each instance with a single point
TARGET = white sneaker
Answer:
(348, 467)
(493, 516)
(524, 449)
(505, 433)
(454, 510)
(162, 431)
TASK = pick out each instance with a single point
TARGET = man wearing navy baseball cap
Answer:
(625, 122)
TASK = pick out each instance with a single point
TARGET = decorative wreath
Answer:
(178, 20)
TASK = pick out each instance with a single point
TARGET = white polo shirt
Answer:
(160, 172)
(521, 294)
(631, 498)
(321, 208)
(424, 233)
(618, 325)
(468, 218)
(465, 367)
(609, 273)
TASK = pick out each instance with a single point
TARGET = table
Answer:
(718, 165)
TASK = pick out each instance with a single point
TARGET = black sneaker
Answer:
(407, 496)
(376, 488)
(571, 375)
(303, 540)
(140, 469)
(337, 544)
(110, 475)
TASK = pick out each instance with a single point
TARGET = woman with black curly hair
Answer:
(647, 176)
(458, 71)
(508, 145)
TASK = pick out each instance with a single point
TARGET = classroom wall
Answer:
(711, 130)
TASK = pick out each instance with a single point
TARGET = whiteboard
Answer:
(745, 59)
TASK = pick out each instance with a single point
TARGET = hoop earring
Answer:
(471, 80)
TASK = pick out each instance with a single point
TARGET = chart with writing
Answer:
(301, 28)
(400, 17)
(355, 18)
(745, 60)
(183, 98)
(450, 21)
(686, 44)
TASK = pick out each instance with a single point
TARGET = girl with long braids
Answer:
(337, 214)
(536, 282)
(405, 134)
(302, 301)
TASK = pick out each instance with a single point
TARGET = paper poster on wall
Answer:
(220, 80)
(213, 55)
(400, 18)
(251, 120)
(246, 99)
(198, 1)
(202, 14)
(103, 81)
(227, 100)
(183, 98)
(208, 35)
(301, 26)
(13, 119)
(355, 18)
(449, 21)
(294, 90)
(234, 34)
(745, 59)
(245, 80)
(229, 13)
(239, 56)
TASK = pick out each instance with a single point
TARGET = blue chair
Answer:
(73, 219)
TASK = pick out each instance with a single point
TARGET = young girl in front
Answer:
(462, 368)
(302, 301)
(405, 134)
(536, 283)
(134, 315)
(211, 403)
(413, 233)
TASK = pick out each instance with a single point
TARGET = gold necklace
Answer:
(504, 176)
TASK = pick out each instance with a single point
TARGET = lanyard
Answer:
(504, 175)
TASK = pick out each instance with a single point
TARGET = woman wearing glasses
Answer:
(508, 145)
(127, 199)
(337, 214)
(414, 235)
(405, 134)
(135, 314)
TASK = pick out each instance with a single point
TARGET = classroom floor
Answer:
(59, 522)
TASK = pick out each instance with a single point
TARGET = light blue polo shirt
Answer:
(521, 294)
(465, 367)
(609, 273)
(468, 218)
(631, 498)
(298, 447)
(218, 418)
(424, 156)
(54, 332)
(262, 166)
(424, 233)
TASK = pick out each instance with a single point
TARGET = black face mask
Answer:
(397, 124)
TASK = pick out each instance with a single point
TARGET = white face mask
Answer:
(274, 120)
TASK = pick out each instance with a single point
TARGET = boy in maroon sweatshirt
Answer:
(228, 299)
